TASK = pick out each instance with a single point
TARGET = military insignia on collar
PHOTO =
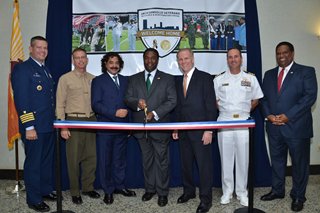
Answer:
(245, 83)
(39, 87)
(250, 73)
(220, 73)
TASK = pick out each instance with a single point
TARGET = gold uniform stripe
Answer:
(27, 117)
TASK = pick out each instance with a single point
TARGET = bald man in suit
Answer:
(196, 102)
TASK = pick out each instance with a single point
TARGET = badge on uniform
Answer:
(245, 83)
(225, 84)
(36, 75)
(39, 87)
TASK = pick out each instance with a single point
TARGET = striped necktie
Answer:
(115, 78)
(280, 77)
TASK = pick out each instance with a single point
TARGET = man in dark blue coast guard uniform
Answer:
(34, 98)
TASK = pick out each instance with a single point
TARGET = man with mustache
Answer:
(107, 96)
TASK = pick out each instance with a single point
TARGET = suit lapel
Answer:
(122, 83)
(288, 78)
(155, 82)
(111, 82)
(192, 82)
(141, 82)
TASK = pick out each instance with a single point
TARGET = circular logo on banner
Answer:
(165, 45)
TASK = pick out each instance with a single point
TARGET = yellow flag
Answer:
(16, 56)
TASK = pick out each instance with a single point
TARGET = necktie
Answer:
(45, 71)
(280, 77)
(148, 82)
(185, 80)
(115, 78)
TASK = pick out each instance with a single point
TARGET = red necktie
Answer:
(280, 77)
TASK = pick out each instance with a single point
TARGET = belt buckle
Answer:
(235, 115)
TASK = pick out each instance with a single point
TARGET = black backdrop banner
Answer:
(59, 36)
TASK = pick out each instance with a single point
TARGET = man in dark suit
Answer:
(290, 91)
(34, 97)
(196, 102)
(152, 96)
(107, 96)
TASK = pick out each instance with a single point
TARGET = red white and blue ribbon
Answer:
(155, 126)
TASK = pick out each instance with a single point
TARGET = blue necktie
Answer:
(115, 78)
(45, 71)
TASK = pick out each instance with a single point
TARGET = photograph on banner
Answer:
(202, 31)
(89, 32)
(208, 27)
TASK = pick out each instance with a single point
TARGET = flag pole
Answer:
(18, 187)
(16, 56)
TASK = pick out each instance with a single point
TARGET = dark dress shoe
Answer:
(125, 192)
(271, 196)
(50, 197)
(92, 194)
(108, 199)
(40, 207)
(296, 205)
(76, 199)
(185, 198)
(203, 207)
(147, 196)
(162, 201)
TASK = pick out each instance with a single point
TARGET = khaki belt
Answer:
(79, 115)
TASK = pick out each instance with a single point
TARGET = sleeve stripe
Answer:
(27, 117)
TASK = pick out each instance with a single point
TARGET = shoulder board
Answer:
(220, 74)
(250, 73)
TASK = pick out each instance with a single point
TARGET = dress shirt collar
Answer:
(111, 75)
(153, 73)
(80, 74)
(286, 69)
(40, 64)
(190, 73)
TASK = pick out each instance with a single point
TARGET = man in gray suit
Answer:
(152, 96)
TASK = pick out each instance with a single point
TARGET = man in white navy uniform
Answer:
(237, 93)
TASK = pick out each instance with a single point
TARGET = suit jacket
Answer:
(297, 95)
(162, 99)
(199, 103)
(34, 96)
(106, 98)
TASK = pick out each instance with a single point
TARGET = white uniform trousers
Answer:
(234, 152)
